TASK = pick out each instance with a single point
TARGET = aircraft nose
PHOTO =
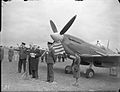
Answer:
(56, 37)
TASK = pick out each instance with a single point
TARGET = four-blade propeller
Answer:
(66, 27)
(53, 26)
(59, 36)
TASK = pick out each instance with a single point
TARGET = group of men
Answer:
(33, 53)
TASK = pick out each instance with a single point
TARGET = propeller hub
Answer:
(56, 37)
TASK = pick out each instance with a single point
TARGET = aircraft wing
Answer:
(100, 55)
(88, 55)
(112, 55)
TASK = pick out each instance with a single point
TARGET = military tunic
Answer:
(22, 58)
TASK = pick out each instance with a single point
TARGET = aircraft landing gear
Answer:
(90, 72)
(68, 69)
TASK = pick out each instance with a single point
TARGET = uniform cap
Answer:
(50, 43)
(23, 43)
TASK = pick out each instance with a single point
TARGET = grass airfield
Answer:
(21, 19)
(12, 81)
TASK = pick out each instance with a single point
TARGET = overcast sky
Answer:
(29, 21)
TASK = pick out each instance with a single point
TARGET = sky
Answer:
(29, 21)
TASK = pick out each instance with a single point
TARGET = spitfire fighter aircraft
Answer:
(89, 54)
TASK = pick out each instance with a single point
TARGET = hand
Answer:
(32, 54)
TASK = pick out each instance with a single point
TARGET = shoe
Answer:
(50, 81)
(33, 76)
(47, 81)
(75, 84)
(36, 78)
(53, 82)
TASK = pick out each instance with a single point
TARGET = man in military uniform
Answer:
(34, 55)
(22, 57)
(76, 69)
(10, 54)
(1, 53)
(30, 48)
(50, 61)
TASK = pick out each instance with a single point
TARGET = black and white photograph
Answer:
(60, 45)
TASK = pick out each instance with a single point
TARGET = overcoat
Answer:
(34, 61)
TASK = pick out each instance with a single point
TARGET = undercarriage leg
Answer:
(115, 71)
(90, 71)
(68, 69)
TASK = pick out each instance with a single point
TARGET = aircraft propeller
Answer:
(58, 36)
(67, 26)
(53, 26)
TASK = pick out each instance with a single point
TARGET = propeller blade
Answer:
(67, 26)
(53, 26)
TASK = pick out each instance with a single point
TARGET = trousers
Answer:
(20, 63)
(50, 73)
(34, 73)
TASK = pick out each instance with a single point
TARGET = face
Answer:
(35, 46)
(22, 45)
(30, 46)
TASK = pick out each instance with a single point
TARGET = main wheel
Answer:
(68, 69)
(89, 73)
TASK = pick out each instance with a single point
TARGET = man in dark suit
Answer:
(34, 55)
(50, 61)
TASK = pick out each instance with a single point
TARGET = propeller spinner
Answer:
(59, 36)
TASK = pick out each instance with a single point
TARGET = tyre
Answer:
(89, 73)
(68, 69)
